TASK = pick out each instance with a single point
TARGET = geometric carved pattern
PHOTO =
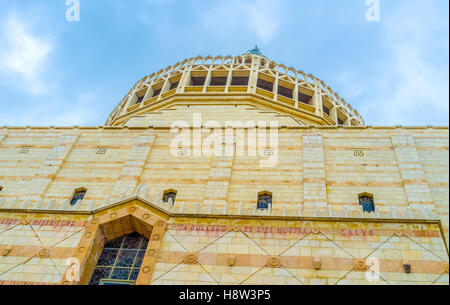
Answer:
(276, 261)
(196, 253)
(43, 249)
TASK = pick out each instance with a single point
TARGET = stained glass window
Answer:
(367, 203)
(120, 260)
(264, 201)
(79, 195)
(168, 195)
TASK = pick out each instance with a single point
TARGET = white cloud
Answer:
(258, 17)
(81, 112)
(23, 55)
(410, 86)
(422, 90)
(78, 110)
(419, 84)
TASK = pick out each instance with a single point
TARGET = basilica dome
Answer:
(233, 87)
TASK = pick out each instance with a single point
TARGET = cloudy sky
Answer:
(55, 72)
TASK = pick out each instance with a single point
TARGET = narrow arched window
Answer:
(77, 196)
(169, 194)
(120, 261)
(367, 202)
(264, 201)
(1, 188)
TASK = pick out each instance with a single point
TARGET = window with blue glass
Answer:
(264, 201)
(77, 196)
(120, 260)
(169, 194)
(366, 201)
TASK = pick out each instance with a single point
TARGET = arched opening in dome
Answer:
(139, 99)
(325, 109)
(198, 78)
(219, 78)
(240, 78)
(156, 88)
(156, 92)
(265, 83)
(174, 85)
(174, 82)
(305, 96)
(139, 96)
(286, 89)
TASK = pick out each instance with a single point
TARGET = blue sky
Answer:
(55, 72)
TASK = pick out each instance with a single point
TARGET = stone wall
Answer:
(320, 172)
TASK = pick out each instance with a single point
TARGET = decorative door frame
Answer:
(91, 244)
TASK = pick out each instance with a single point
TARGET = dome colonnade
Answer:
(249, 77)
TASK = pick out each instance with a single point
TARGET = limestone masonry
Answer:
(345, 203)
